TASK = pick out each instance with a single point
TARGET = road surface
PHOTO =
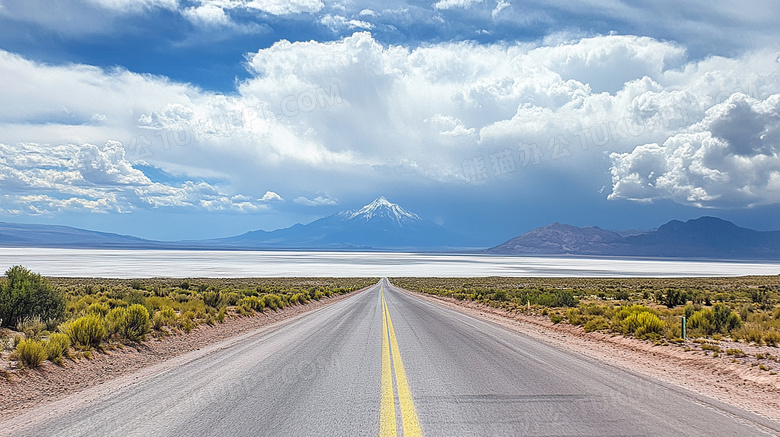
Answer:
(385, 362)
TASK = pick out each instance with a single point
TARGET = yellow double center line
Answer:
(387, 419)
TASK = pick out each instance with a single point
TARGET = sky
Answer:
(179, 119)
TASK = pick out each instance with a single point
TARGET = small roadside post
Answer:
(684, 333)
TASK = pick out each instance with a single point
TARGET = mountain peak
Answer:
(383, 208)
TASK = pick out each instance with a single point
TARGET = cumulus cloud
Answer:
(40, 179)
(271, 196)
(729, 159)
(324, 114)
(208, 14)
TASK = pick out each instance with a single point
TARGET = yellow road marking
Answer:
(387, 405)
(411, 424)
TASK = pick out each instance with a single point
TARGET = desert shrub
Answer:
(211, 298)
(253, 302)
(750, 332)
(300, 298)
(135, 297)
(719, 319)
(57, 346)
(31, 352)
(187, 325)
(164, 317)
(735, 352)
(221, 315)
(136, 323)
(32, 327)
(158, 303)
(674, 297)
(592, 309)
(596, 323)
(168, 313)
(622, 295)
(98, 309)
(556, 318)
(574, 316)
(27, 294)
(710, 347)
(273, 301)
(86, 332)
(642, 323)
(771, 337)
(725, 319)
(229, 299)
(500, 295)
(559, 298)
(114, 321)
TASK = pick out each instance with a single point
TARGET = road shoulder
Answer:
(725, 382)
(50, 382)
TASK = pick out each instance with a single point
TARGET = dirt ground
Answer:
(738, 381)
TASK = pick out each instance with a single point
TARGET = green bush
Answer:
(574, 316)
(26, 294)
(642, 323)
(253, 302)
(211, 298)
(136, 323)
(556, 318)
(719, 319)
(597, 323)
(86, 332)
(273, 301)
(97, 309)
(114, 321)
(31, 352)
(57, 346)
(221, 315)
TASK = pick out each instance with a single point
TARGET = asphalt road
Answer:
(384, 361)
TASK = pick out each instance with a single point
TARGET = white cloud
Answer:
(452, 4)
(208, 14)
(317, 201)
(729, 159)
(500, 6)
(318, 116)
(285, 7)
(337, 23)
(40, 179)
(271, 196)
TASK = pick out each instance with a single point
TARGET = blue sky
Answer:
(173, 119)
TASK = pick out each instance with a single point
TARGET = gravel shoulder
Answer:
(50, 382)
(738, 384)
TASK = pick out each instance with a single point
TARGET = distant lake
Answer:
(185, 263)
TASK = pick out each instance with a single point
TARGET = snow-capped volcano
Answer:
(379, 225)
(382, 208)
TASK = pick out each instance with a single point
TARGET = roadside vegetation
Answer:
(742, 309)
(56, 318)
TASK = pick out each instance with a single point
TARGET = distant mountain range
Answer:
(705, 237)
(378, 225)
(382, 225)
